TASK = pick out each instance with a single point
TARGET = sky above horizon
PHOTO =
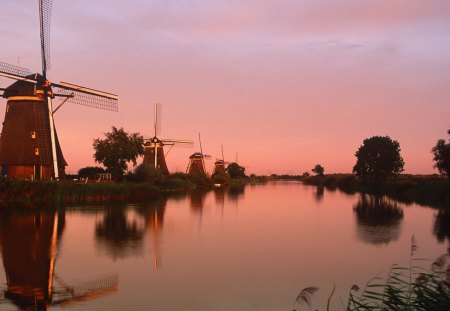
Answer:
(281, 85)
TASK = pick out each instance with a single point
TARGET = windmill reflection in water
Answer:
(29, 246)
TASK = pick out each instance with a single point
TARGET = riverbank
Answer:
(70, 192)
(424, 190)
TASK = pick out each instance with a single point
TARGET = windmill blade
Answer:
(177, 141)
(157, 119)
(13, 72)
(88, 97)
(86, 291)
(45, 13)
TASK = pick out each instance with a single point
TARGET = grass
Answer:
(405, 288)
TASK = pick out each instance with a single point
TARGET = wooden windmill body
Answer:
(197, 161)
(219, 166)
(154, 155)
(29, 145)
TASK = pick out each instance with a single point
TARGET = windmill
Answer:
(197, 161)
(154, 147)
(219, 165)
(29, 145)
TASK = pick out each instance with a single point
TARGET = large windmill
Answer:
(29, 146)
(197, 161)
(154, 147)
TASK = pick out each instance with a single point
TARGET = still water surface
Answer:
(239, 249)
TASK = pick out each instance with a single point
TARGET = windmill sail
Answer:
(88, 97)
(45, 13)
(16, 71)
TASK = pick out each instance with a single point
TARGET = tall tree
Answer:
(378, 157)
(319, 170)
(117, 150)
(235, 170)
(441, 157)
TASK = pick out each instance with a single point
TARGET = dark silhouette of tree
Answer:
(441, 157)
(235, 170)
(118, 149)
(378, 157)
(318, 170)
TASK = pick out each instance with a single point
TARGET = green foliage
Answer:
(235, 170)
(147, 173)
(200, 180)
(118, 149)
(441, 156)
(319, 170)
(221, 178)
(90, 171)
(378, 158)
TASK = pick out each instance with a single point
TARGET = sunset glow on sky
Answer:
(283, 84)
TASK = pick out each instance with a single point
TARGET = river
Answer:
(251, 248)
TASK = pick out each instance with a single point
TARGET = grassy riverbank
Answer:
(425, 190)
(93, 192)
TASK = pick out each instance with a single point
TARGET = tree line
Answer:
(379, 158)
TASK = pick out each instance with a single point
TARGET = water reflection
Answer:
(441, 228)
(319, 193)
(118, 233)
(197, 200)
(235, 192)
(29, 244)
(378, 219)
(153, 214)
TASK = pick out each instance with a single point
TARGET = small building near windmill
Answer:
(25, 141)
(154, 155)
(196, 164)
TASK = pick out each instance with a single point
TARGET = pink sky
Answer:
(286, 85)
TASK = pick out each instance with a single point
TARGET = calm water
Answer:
(246, 249)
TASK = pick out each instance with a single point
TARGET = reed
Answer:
(405, 288)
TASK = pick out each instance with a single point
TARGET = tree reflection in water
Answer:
(378, 219)
(441, 228)
(118, 235)
(319, 193)
(236, 191)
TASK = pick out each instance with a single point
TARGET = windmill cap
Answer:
(25, 88)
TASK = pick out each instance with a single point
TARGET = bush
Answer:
(147, 173)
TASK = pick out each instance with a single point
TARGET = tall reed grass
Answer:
(405, 288)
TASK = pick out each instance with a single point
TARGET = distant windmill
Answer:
(197, 161)
(219, 165)
(29, 146)
(154, 151)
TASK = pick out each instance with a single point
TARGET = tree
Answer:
(318, 170)
(378, 157)
(441, 157)
(235, 170)
(118, 149)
